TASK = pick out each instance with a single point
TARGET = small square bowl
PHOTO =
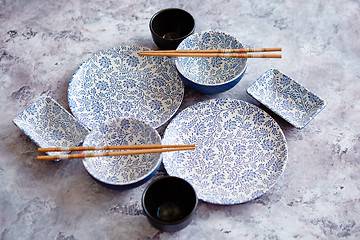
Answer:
(48, 124)
(287, 98)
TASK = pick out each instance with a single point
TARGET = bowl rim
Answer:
(177, 64)
(171, 9)
(165, 222)
(137, 180)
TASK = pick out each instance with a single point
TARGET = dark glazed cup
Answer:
(169, 203)
(170, 26)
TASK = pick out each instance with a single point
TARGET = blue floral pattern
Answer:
(122, 170)
(237, 157)
(120, 83)
(286, 98)
(210, 70)
(49, 125)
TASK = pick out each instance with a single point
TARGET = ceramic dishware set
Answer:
(119, 97)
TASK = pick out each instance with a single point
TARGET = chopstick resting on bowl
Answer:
(223, 53)
(130, 150)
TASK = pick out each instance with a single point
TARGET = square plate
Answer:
(287, 98)
(48, 124)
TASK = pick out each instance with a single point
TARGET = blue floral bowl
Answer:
(210, 75)
(123, 171)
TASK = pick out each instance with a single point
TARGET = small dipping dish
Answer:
(286, 97)
(170, 26)
(48, 124)
(169, 203)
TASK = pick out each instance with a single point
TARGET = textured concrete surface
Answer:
(42, 43)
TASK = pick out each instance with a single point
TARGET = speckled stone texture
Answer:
(42, 43)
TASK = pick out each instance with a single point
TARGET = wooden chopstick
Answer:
(238, 50)
(117, 153)
(220, 55)
(118, 147)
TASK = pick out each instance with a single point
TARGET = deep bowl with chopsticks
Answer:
(125, 171)
(210, 75)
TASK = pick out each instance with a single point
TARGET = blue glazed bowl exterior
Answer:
(210, 75)
(128, 186)
(211, 89)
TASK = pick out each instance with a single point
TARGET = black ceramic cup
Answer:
(170, 26)
(169, 203)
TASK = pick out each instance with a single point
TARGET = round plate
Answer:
(240, 150)
(120, 83)
(122, 170)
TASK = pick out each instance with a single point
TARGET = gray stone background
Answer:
(42, 43)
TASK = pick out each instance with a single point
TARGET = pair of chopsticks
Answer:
(130, 150)
(222, 53)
